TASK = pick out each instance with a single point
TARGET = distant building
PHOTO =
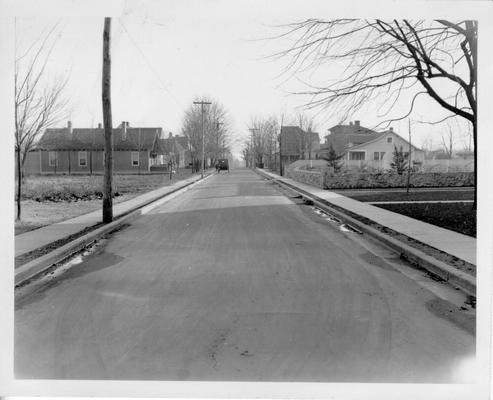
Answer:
(363, 146)
(341, 137)
(175, 149)
(296, 144)
(81, 150)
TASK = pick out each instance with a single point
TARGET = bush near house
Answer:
(361, 180)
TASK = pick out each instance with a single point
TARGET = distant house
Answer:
(296, 144)
(465, 154)
(175, 149)
(81, 150)
(363, 146)
(379, 151)
(341, 137)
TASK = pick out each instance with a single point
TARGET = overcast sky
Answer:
(167, 53)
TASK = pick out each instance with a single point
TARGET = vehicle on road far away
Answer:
(222, 164)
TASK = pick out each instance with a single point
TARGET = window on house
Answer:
(52, 159)
(135, 158)
(356, 155)
(389, 139)
(376, 156)
(382, 153)
(82, 158)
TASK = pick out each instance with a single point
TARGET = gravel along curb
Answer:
(457, 278)
(32, 269)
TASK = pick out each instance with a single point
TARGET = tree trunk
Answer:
(108, 125)
(475, 140)
(19, 183)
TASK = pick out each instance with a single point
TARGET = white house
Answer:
(378, 151)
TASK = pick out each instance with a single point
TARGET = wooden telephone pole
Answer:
(108, 126)
(409, 158)
(202, 103)
(253, 146)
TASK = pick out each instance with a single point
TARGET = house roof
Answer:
(361, 138)
(297, 130)
(352, 129)
(166, 145)
(93, 139)
(379, 137)
(182, 141)
(290, 130)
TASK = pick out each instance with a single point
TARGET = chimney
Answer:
(69, 127)
(124, 130)
(356, 122)
(170, 135)
(391, 129)
(100, 126)
(350, 123)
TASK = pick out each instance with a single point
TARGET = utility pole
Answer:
(253, 146)
(280, 146)
(108, 125)
(202, 103)
(409, 158)
(218, 124)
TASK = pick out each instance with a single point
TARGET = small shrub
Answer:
(399, 160)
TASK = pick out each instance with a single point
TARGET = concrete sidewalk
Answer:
(38, 238)
(453, 243)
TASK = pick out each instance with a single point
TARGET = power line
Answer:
(163, 86)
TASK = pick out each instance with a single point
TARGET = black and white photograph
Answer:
(274, 199)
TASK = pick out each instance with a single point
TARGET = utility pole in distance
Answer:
(218, 125)
(108, 125)
(280, 145)
(202, 103)
(253, 145)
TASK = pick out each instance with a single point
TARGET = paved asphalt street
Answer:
(235, 280)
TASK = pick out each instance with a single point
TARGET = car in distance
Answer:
(222, 164)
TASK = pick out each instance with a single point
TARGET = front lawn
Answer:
(86, 187)
(414, 195)
(458, 217)
(55, 198)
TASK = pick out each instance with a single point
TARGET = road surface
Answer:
(234, 280)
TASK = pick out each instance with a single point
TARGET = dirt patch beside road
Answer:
(51, 199)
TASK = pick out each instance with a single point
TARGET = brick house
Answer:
(296, 144)
(81, 150)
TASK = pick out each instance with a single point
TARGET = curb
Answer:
(463, 281)
(37, 266)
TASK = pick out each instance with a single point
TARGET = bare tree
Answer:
(265, 138)
(39, 102)
(307, 136)
(382, 59)
(467, 139)
(216, 131)
(448, 142)
(427, 144)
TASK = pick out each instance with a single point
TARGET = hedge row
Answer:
(313, 178)
(357, 180)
